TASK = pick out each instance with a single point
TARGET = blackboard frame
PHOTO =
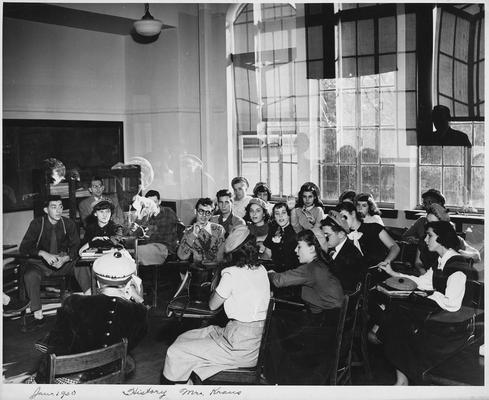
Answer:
(78, 144)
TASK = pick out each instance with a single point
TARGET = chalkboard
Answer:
(78, 144)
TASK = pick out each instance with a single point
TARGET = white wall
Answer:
(159, 90)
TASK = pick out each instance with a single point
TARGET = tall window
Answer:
(458, 84)
(341, 133)
(268, 109)
(362, 144)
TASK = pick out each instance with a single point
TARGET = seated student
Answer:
(410, 345)
(347, 195)
(346, 260)
(308, 335)
(104, 232)
(308, 212)
(244, 290)
(158, 226)
(376, 245)
(85, 323)
(96, 190)
(282, 239)
(240, 185)
(262, 191)
(426, 259)
(416, 232)
(203, 240)
(368, 209)
(257, 221)
(54, 241)
(226, 218)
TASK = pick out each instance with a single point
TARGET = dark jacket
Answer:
(348, 266)
(38, 237)
(85, 323)
(283, 252)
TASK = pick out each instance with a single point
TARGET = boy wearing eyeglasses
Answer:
(203, 240)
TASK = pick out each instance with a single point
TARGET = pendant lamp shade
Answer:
(147, 25)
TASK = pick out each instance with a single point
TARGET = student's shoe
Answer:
(15, 306)
(34, 325)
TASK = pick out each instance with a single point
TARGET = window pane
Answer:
(347, 105)
(252, 172)
(365, 37)
(328, 108)
(453, 155)
(478, 145)
(477, 187)
(329, 153)
(348, 141)
(348, 38)
(329, 184)
(452, 188)
(387, 183)
(370, 180)
(348, 178)
(430, 155)
(388, 107)
(429, 177)
(388, 145)
(370, 153)
(274, 178)
(462, 39)
(369, 106)
(387, 35)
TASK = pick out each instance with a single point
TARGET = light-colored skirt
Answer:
(212, 349)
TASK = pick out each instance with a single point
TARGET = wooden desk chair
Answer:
(341, 370)
(77, 363)
(362, 328)
(249, 375)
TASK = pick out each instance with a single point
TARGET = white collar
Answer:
(443, 260)
(207, 227)
(308, 208)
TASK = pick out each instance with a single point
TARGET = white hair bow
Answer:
(355, 236)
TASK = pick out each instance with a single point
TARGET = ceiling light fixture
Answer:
(147, 25)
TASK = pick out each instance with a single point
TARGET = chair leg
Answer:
(155, 285)
(364, 351)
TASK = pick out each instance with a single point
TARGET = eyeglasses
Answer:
(203, 213)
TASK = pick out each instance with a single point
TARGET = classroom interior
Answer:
(337, 94)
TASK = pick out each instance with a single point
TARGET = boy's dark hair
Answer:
(152, 193)
(50, 198)
(204, 201)
(223, 193)
(96, 178)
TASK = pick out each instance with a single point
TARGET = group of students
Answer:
(325, 255)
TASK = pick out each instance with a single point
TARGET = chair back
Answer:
(341, 370)
(260, 363)
(81, 362)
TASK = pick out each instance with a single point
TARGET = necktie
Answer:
(53, 243)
